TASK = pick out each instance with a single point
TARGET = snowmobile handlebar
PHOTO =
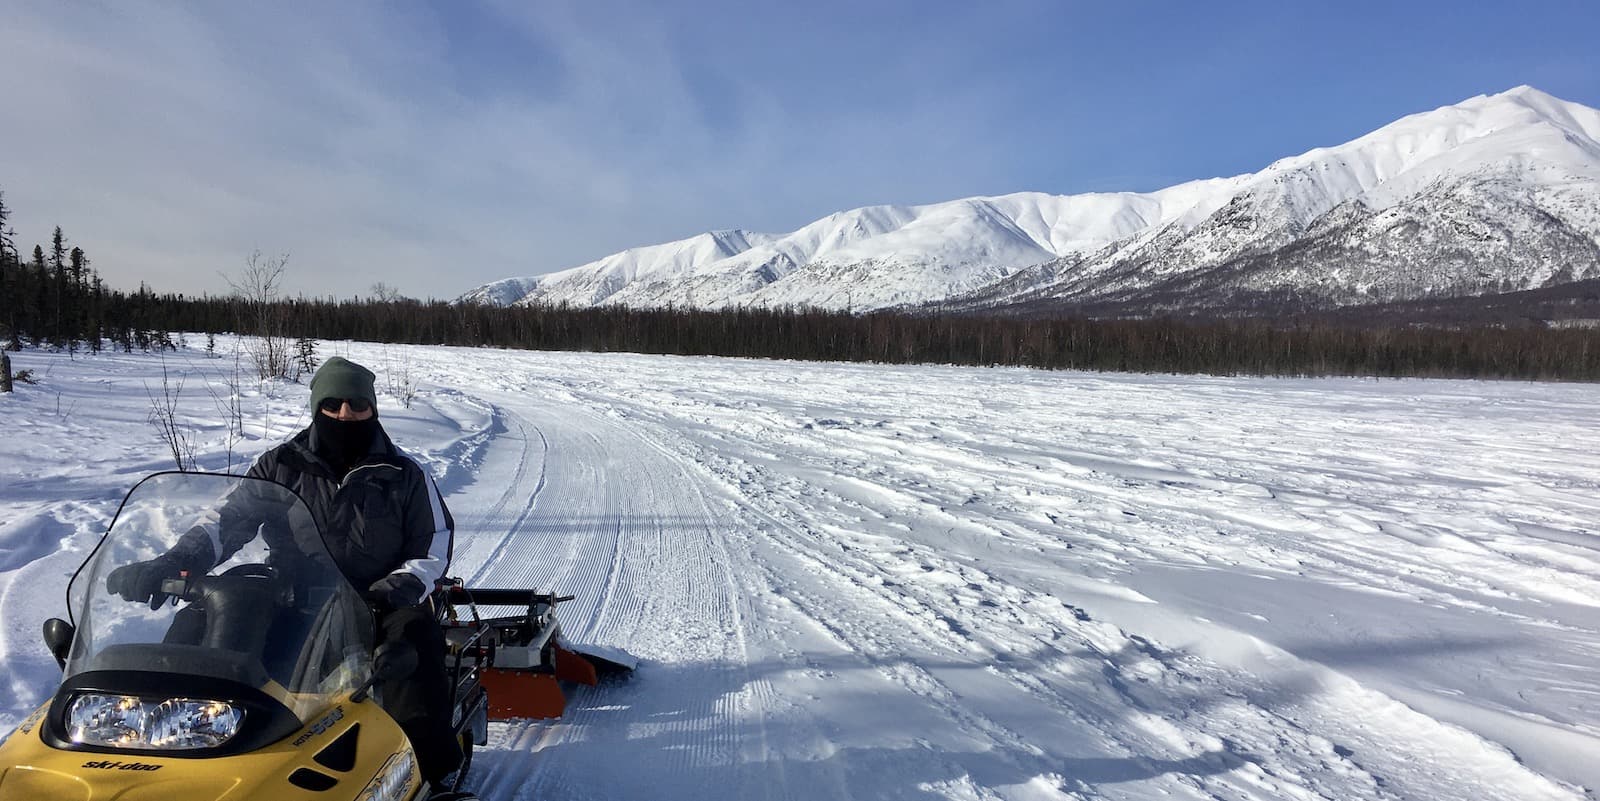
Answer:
(255, 582)
(233, 603)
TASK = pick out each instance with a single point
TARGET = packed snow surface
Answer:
(865, 582)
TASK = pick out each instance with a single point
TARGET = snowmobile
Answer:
(263, 678)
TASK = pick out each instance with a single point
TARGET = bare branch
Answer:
(260, 286)
(164, 416)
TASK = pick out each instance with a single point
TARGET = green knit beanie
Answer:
(339, 377)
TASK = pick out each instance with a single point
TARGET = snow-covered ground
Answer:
(859, 581)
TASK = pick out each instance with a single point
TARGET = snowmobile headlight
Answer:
(114, 720)
(189, 723)
(125, 721)
(394, 779)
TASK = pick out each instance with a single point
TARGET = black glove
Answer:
(141, 581)
(398, 590)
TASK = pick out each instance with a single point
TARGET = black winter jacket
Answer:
(385, 515)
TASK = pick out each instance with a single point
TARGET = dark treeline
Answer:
(54, 299)
(88, 313)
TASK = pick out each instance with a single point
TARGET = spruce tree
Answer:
(77, 311)
(58, 272)
(8, 242)
(96, 312)
(9, 288)
(58, 250)
(41, 290)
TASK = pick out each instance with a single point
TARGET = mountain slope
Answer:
(1498, 192)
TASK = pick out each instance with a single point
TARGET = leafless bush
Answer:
(399, 379)
(67, 412)
(383, 293)
(164, 416)
(260, 287)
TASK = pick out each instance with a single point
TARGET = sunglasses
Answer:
(333, 405)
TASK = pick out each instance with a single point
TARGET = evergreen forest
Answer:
(54, 298)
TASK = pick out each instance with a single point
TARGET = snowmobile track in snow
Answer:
(867, 581)
(632, 539)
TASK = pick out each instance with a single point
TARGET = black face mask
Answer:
(342, 443)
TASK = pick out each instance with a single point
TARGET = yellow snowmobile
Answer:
(261, 679)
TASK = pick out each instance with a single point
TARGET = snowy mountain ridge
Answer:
(1497, 193)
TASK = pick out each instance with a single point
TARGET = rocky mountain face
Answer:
(1496, 194)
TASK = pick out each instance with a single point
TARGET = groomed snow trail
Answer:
(850, 582)
(568, 500)
(871, 661)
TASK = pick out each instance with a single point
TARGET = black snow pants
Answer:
(421, 703)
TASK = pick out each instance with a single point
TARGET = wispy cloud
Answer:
(170, 140)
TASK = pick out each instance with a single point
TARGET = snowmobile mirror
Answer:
(391, 661)
(58, 635)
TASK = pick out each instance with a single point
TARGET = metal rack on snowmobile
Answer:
(518, 659)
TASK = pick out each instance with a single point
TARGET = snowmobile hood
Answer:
(337, 758)
(44, 783)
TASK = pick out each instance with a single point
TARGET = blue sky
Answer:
(437, 146)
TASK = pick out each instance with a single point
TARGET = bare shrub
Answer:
(66, 413)
(260, 288)
(164, 416)
(383, 293)
(399, 379)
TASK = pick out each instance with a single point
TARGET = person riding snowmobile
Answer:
(385, 525)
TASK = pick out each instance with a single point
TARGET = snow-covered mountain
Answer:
(1497, 193)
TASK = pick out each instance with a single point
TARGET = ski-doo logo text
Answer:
(321, 726)
(110, 765)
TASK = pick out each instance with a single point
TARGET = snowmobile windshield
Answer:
(223, 579)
